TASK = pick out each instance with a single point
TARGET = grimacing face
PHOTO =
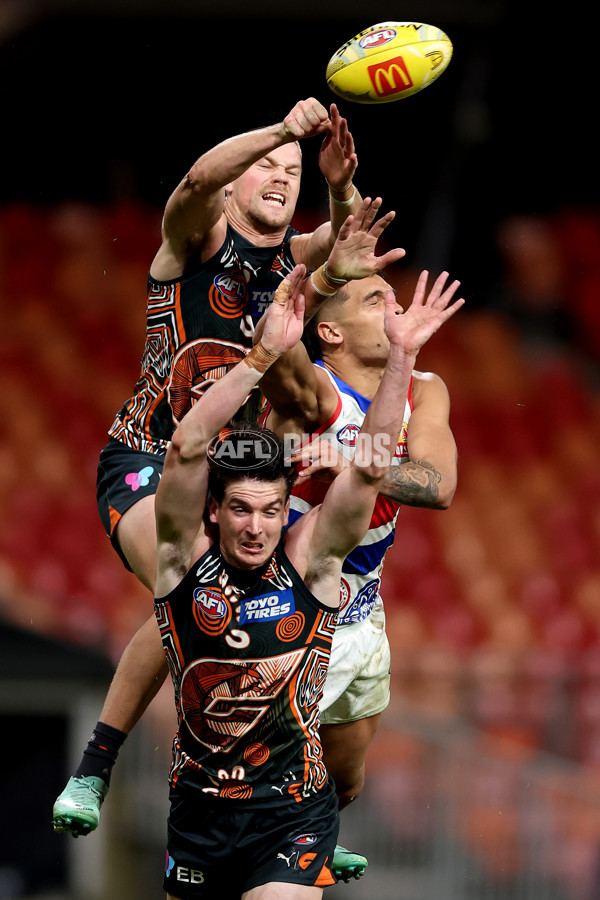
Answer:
(360, 319)
(268, 191)
(251, 518)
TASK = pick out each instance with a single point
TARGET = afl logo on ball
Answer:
(227, 294)
(377, 38)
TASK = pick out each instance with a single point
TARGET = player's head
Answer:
(350, 324)
(250, 481)
(265, 196)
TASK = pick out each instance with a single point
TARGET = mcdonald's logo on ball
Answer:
(390, 77)
(389, 61)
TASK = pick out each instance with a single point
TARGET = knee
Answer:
(349, 789)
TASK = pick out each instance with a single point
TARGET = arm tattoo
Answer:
(414, 483)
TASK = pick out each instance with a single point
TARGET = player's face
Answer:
(360, 319)
(251, 518)
(266, 194)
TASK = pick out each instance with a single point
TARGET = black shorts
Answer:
(214, 850)
(124, 477)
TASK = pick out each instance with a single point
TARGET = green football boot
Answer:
(347, 865)
(77, 809)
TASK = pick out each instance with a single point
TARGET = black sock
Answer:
(101, 753)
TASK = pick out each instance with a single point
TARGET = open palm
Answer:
(412, 328)
(353, 254)
(284, 319)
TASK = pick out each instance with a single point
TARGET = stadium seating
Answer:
(493, 605)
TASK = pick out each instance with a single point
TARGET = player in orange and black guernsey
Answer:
(227, 243)
(247, 612)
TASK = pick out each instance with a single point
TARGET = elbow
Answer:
(446, 495)
(373, 475)
(198, 179)
(187, 446)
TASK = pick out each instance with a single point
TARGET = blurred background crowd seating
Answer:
(493, 606)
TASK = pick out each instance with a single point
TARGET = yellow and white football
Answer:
(389, 61)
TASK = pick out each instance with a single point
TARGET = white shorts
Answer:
(358, 678)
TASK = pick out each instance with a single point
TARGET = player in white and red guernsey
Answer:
(361, 572)
(329, 399)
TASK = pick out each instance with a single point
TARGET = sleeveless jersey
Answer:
(197, 328)
(362, 568)
(248, 668)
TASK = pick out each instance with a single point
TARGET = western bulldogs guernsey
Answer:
(248, 668)
(361, 571)
(197, 328)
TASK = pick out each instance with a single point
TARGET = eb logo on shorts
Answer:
(183, 873)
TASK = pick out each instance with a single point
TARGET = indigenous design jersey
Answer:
(197, 328)
(248, 669)
(362, 568)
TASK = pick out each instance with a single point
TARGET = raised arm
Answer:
(195, 208)
(353, 256)
(429, 477)
(338, 162)
(296, 390)
(345, 514)
(181, 494)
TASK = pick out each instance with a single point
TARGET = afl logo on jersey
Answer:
(211, 602)
(227, 294)
(347, 435)
(212, 611)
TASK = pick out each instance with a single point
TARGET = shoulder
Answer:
(430, 399)
(174, 255)
(291, 234)
(327, 394)
(426, 385)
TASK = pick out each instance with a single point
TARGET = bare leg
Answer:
(139, 676)
(142, 668)
(141, 672)
(344, 750)
(136, 532)
(278, 890)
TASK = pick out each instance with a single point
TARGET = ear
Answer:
(286, 513)
(228, 189)
(330, 333)
(213, 511)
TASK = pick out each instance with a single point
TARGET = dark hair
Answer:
(310, 336)
(247, 450)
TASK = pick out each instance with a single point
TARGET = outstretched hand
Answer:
(411, 329)
(353, 254)
(283, 322)
(337, 158)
